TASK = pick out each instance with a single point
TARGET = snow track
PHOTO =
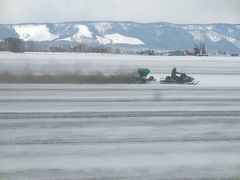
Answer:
(119, 132)
(129, 132)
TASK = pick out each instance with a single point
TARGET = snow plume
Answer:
(71, 78)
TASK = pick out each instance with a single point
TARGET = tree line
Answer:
(18, 46)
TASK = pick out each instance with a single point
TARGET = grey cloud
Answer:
(176, 11)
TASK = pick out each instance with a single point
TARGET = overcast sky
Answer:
(175, 11)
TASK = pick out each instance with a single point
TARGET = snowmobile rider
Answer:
(174, 73)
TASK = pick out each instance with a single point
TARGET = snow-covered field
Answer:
(210, 71)
(131, 131)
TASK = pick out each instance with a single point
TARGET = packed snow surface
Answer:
(126, 131)
(34, 33)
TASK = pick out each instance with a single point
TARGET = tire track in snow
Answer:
(108, 114)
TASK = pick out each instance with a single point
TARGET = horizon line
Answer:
(112, 21)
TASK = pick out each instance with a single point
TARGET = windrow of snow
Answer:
(82, 34)
(34, 33)
(118, 39)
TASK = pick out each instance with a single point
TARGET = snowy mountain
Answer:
(225, 37)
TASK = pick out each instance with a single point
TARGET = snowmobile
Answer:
(182, 79)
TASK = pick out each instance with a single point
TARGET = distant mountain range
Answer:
(163, 36)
